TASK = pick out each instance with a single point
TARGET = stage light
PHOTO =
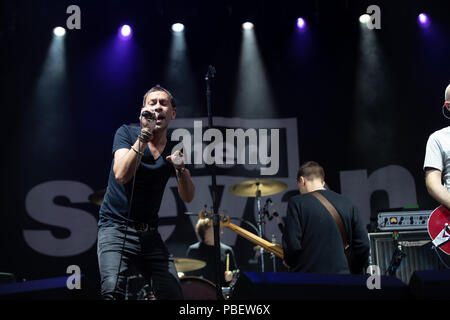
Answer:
(247, 26)
(49, 94)
(125, 31)
(423, 19)
(59, 31)
(301, 23)
(178, 27)
(364, 18)
(252, 88)
(179, 74)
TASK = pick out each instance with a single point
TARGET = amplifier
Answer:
(416, 252)
(403, 220)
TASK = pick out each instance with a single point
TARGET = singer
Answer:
(128, 237)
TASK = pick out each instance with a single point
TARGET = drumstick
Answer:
(228, 262)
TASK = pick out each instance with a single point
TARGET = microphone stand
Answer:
(260, 223)
(274, 240)
(397, 256)
(216, 218)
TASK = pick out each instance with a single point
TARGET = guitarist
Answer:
(437, 161)
(312, 241)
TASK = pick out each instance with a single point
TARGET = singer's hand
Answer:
(176, 159)
(147, 124)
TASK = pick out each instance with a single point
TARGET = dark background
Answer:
(351, 115)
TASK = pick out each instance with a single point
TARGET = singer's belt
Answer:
(141, 226)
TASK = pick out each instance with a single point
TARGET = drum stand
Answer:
(260, 224)
(258, 188)
(274, 257)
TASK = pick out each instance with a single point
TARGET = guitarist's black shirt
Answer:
(312, 241)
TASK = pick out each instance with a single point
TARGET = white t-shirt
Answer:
(437, 154)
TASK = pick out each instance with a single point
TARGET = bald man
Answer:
(437, 161)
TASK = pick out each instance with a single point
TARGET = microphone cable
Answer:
(129, 210)
(440, 258)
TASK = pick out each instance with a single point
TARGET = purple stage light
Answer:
(301, 23)
(125, 31)
(423, 19)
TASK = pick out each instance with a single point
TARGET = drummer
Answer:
(205, 250)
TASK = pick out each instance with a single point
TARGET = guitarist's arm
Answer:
(433, 181)
(292, 236)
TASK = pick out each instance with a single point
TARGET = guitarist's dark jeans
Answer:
(144, 252)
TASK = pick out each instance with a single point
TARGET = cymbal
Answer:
(187, 264)
(97, 197)
(248, 188)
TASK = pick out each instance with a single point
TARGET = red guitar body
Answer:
(439, 228)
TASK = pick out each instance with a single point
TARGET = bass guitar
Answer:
(274, 248)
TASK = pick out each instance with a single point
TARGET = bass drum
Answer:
(195, 288)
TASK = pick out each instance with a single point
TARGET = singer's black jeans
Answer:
(144, 253)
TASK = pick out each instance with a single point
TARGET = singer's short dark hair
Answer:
(311, 170)
(159, 88)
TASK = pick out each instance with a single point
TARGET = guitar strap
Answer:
(337, 218)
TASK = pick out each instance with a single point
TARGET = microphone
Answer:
(276, 216)
(149, 115)
(274, 212)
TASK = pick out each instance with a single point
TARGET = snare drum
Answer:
(195, 288)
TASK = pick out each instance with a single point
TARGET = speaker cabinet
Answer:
(6, 277)
(313, 286)
(416, 245)
(432, 284)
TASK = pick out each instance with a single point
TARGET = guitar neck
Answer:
(269, 246)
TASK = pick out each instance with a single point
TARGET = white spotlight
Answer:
(178, 27)
(247, 26)
(59, 31)
(364, 18)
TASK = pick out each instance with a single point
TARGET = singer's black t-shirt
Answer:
(151, 179)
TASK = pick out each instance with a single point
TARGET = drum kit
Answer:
(196, 288)
(258, 188)
(193, 287)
